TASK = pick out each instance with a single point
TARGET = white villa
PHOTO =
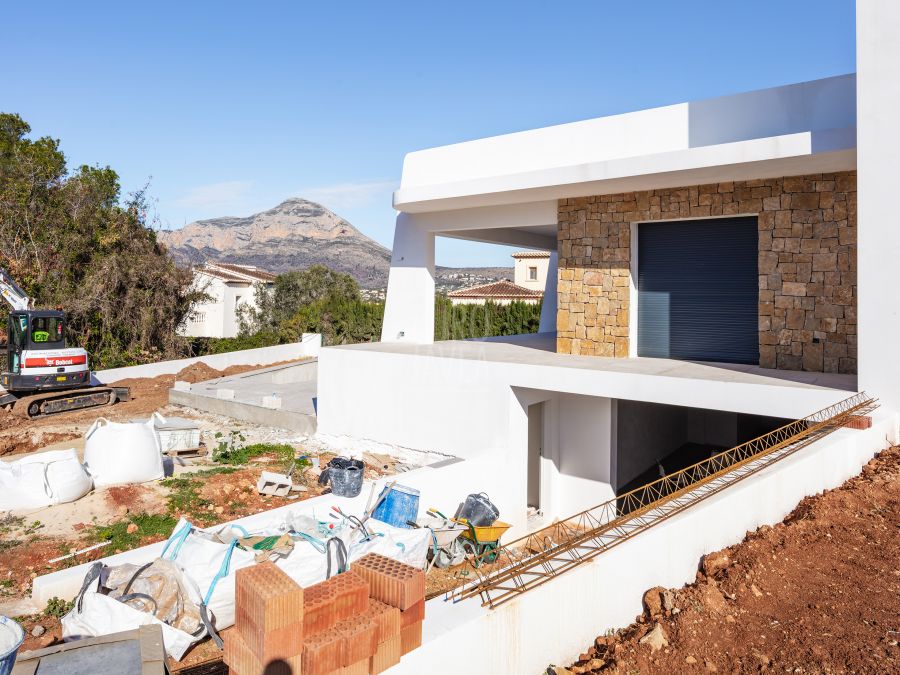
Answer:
(716, 266)
(229, 286)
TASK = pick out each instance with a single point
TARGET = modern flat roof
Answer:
(798, 129)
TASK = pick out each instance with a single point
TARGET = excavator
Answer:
(42, 376)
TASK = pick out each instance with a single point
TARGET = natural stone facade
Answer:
(807, 265)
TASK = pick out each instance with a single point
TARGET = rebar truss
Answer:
(532, 560)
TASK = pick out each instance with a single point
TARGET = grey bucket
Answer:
(479, 510)
(344, 475)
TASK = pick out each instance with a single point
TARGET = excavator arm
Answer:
(11, 292)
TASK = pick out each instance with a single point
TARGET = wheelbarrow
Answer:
(483, 542)
(444, 533)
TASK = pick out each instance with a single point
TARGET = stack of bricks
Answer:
(356, 623)
(400, 586)
(269, 630)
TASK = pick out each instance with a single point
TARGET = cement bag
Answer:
(97, 613)
(118, 454)
(43, 479)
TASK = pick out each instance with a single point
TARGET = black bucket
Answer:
(345, 476)
(479, 510)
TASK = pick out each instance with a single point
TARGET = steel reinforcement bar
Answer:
(532, 560)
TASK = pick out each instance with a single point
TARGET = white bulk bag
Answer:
(43, 479)
(121, 453)
(97, 614)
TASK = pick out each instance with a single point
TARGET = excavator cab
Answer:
(33, 331)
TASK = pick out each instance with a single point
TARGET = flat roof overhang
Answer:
(795, 154)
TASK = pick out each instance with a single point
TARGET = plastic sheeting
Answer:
(122, 453)
(43, 479)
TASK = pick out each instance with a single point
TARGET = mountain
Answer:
(296, 234)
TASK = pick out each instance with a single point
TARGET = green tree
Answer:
(69, 240)
(291, 292)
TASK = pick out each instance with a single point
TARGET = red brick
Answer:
(360, 638)
(358, 668)
(387, 655)
(351, 594)
(859, 422)
(318, 610)
(415, 614)
(410, 638)
(386, 617)
(390, 581)
(269, 612)
(242, 661)
(323, 654)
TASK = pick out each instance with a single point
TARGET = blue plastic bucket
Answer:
(11, 638)
(399, 505)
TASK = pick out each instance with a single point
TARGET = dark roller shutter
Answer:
(698, 290)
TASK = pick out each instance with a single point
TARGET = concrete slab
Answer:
(293, 385)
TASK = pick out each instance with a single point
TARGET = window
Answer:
(46, 329)
(532, 273)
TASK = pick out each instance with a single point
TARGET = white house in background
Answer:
(229, 286)
(529, 279)
(531, 269)
(709, 276)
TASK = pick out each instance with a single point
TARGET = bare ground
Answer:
(817, 593)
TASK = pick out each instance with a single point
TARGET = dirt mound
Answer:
(197, 372)
(816, 593)
(22, 443)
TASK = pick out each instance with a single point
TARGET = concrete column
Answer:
(548, 309)
(409, 305)
(878, 156)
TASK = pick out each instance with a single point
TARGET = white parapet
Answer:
(225, 394)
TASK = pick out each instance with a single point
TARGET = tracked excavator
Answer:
(41, 375)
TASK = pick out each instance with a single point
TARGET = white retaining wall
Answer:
(557, 621)
(309, 346)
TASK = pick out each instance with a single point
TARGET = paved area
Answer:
(294, 386)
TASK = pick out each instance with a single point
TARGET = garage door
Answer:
(698, 290)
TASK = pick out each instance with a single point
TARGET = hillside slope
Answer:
(296, 234)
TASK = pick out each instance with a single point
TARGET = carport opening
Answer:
(654, 440)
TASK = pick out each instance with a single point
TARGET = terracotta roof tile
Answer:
(531, 254)
(497, 289)
(237, 273)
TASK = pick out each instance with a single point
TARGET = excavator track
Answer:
(58, 402)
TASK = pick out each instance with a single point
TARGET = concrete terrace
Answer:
(780, 392)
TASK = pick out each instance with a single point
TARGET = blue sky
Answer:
(229, 108)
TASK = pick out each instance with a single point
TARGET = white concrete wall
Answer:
(549, 306)
(557, 621)
(409, 304)
(878, 156)
(308, 346)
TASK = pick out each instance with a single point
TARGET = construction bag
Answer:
(122, 453)
(43, 479)
(126, 597)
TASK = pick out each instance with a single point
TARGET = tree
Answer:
(291, 293)
(69, 241)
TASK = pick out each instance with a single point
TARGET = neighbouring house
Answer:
(529, 280)
(229, 286)
(531, 269)
(500, 292)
